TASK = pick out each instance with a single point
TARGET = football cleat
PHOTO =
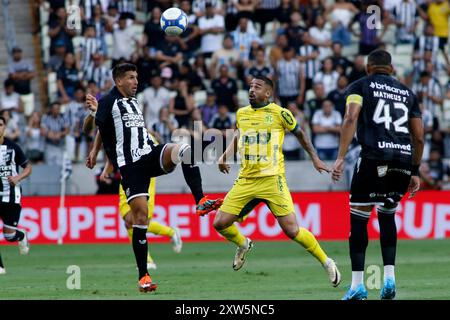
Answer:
(24, 245)
(241, 253)
(2, 270)
(146, 284)
(388, 291)
(333, 272)
(206, 205)
(360, 293)
(176, 241)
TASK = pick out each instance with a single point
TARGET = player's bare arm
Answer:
(91, 160)
(347, 133)
(302, 137)
(417, 139)
(15, 180)
(107, 170)
(229, 153)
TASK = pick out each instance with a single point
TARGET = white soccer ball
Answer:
(174, 21)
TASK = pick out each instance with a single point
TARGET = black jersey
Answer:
(11, 157)
(122, 128)
(383, 126)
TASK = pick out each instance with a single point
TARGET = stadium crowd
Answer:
(203, 75)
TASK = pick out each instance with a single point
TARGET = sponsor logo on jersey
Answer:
(391, 145)
(268, 119)
(383, 86)
(137, 153)
(259, 138)
(133, 120)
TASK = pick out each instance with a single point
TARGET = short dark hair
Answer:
(424, 74)
(379, 57)
(3, 119)
(120, 70)
(266, 80)
(8, 82)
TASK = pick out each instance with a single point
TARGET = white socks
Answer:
(389, 272)
(357, 279)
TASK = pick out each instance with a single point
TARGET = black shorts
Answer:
(136, 176)
(442, 42)
(378, 182)
(10, 214)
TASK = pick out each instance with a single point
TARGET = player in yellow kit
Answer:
(259, 138)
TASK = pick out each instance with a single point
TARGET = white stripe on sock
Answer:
(389, 272)
(357, 279)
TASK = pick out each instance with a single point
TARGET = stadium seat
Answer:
(403, 49)
(138, 30)
(140, 99)
(309, 95)
(243, 97)
(28, 103)
(109, 41)
(44, 13)
(76, 41)
(199, 98)
(52, 86)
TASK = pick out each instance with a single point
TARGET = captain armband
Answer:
(354, 98)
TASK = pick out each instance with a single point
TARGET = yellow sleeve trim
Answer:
(354, 98)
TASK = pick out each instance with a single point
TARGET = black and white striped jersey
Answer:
(11, 157)
(122, 128)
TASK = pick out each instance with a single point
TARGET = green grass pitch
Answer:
(273, 270)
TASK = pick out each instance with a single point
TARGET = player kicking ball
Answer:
(386, 118)
(130, 149)
(11, 157)
(260, 135)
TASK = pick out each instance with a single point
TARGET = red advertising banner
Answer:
(95, 219)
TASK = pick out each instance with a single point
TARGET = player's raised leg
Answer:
(224, 223)
(2, 266)
(307, 240)
(388, 242)
(140, 246)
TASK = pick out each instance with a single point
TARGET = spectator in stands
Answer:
(126, 43)
(290, 79)
(194, 81)
(182, 104)
(245, 8)
(276, 52)
(93, 89)
(72, 114)
(199, 7)
(227, 55)
(12, 128)
(153, 35)
(60, 30)
(429, 91)
(328, 76)
(369, 39)
(308, 56)
(54, 129)
(434, 172)
(200, 67)
(292, 149)
(56, 60)
(34, 139)
(164, 126)
(211, 27)
(266, 11)
(222, 121)
(89, 46)
(295, 30)
(340, 14)
(426, 42)
(316, 102)
(406, 20)
(258, 68)
(101, 27)
(337, 96)
(326, 127)
(169, 54)
(358, 70)
(190, 38)
(21, 71)
(284, 15)
(146, 67)
(428, 123)
(314, 8)
(9, 99)
(87, 9)
(226, 89)
(156, 97)
(67, 79)
(340, 63)
(438, 14)
(243, 37)
(97, 71)
(209, 108)
(321, 37)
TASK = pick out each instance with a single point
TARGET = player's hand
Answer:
(91, 160)
(414, 186)
(91, 102)
(319, 165)
(223, 167)
(13, 180)
(104, 177)
(338, 169)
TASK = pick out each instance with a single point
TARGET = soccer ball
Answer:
(174, 21)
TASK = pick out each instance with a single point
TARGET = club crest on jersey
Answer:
(287, 117)
(268, 119)
(382, 170)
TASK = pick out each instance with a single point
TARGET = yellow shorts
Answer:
(247, 193)
(124, 207)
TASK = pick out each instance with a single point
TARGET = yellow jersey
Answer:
(438, 13)
(261, 139)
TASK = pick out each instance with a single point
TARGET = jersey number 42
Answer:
(382, 115)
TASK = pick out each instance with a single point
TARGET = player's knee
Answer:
(140, 217)
(220, 223)
(291, 231)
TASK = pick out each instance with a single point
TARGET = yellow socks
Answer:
(159, 229)
(307, 240)
(233, 234)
